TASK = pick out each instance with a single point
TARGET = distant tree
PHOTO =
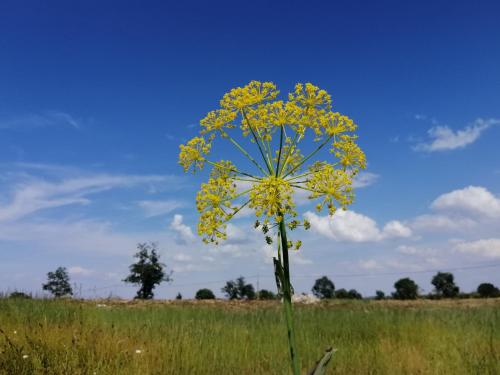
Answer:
(444, 285)
(379, 295)
(204, 294)
(58, 283)
(238, 289)
(147, 272)
(406, 288)
(323, 288)
(354, 294)
(20, 295)
(487, 290)
(348, 294)
(266, 295)
(178, 296)
(341, 293)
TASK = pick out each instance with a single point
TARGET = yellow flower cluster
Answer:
(191, 154)
(333, 185)
(276, 128)
(253, 93)
(272, 197)
(213, 202)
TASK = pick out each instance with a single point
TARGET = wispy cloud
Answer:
(35, 194)
(442, 137)
(154, 208)
(41, 120)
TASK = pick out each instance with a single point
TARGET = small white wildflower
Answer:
(15, 332)
(138, 351)
(25, 356)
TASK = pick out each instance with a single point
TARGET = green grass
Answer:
(425, 337)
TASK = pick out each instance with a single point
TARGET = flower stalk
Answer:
(283, 172)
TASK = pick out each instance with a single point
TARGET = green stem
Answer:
(269, 168)
(310, 155)
(247, 154)
(289, 151)
(230, 169)
(287, 301)
(279, 152)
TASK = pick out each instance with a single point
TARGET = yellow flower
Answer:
(272, 197)
(191, 154)
(253, 93)
(277, 130)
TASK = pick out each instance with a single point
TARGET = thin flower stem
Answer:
(309, 156)
(279, 152)
(287, 301)
(236, 196)
(303, 188)
(289, 151)
(231, 169)
(238, 146)
(257, 141)
(238, 209)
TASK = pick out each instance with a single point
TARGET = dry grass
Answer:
(220, 337)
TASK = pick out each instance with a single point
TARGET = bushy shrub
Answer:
(204, 294)
(323, 288)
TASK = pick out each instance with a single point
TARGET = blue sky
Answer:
(95, 98)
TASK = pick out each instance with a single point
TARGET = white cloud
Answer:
(472, 199)
(364, 179)
(185, 233)
(80, 271)
(369, 264)
(157, 208)
(38, 194)
(41, 120)
(437, 223)
(395, 228)
(353, 227)
(181, 257)
(488, 248)
(443, 138)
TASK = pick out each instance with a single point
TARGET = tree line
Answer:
(148, 272)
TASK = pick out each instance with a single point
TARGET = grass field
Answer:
(386, 337)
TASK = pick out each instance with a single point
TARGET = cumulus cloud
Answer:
(472, 199)
(354, 227)
(157, 208)
(184, 231)
(438, 223)
(488, 248)
(443, 138)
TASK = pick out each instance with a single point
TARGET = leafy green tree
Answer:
(265, 294)
(147, 272)
(58, 283)
(323, 288)
(178, 296)
(348, 294)
(379, 295)
(488, 290)
(204, 294)
(239, 289)
(444, 285)
(406, 288)
(354, 294)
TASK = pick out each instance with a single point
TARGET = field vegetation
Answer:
(247, 337)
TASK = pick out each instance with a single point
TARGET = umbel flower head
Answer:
(277, 167)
